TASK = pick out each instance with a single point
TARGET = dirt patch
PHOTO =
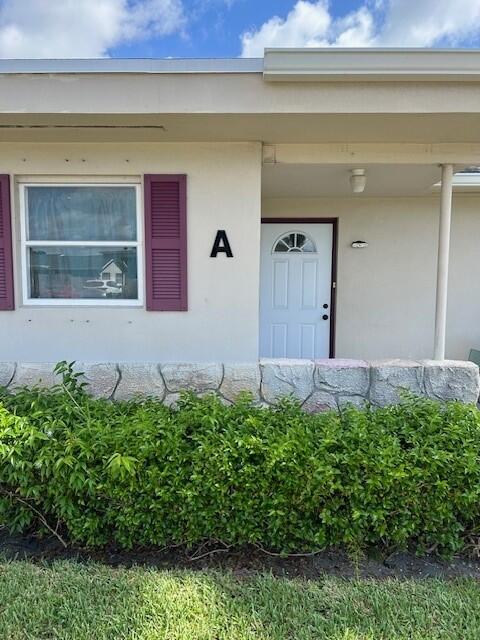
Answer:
(246, 561)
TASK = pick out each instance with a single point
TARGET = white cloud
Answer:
(356, 29)
(307, 25)
(81, 28)
(423, 23)
(401, 23)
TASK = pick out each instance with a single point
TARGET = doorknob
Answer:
(324, 317)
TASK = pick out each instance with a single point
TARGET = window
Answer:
(294, 242)
(80, 244)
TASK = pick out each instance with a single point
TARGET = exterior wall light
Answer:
(359, 244)
(358, 180)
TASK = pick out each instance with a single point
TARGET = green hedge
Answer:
(139, 473)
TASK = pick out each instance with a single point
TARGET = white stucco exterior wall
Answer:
(223, 192)
(386, 292)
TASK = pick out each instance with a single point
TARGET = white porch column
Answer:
(442, 264)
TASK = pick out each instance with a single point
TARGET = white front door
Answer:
(295, 290)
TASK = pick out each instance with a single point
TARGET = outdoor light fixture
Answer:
(359, 244)
(358, 180)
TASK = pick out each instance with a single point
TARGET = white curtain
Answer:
(81, 213)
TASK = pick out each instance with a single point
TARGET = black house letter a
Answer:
(221, 245)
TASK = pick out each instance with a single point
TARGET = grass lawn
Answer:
(94, 602)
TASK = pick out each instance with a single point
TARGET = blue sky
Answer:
(215, 28)
(227, 28)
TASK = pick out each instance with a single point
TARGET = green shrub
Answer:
(139, 473)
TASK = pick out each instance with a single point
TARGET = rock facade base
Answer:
(319, 385)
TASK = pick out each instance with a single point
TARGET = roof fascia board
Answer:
(283, 65)
(373, 65)
(131, 65)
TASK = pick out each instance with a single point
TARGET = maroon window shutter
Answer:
(6, 261)
(166, 242)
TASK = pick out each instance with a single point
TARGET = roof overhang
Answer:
(371, 65)
(330, 96)
(283, 64)
(130, 65)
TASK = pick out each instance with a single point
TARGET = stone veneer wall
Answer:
(319, 385)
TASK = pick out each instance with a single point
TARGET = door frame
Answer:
(333, 287)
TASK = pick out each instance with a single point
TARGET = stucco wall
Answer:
(222, 322)
(386, 292)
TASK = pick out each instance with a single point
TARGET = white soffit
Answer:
(331, 181)
(374, 65)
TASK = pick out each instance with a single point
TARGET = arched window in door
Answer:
(294, 242)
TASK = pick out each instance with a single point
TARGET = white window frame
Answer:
(284, 235)
(80, 302)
